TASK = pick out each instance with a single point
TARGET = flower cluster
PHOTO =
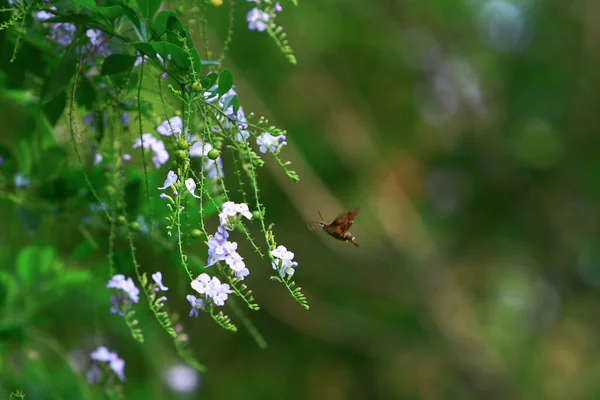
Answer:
(258, 20)
(101, 354)
(212, 289)
(62, 33)
(233, 118)
(130, 293)
(161, 155)
(213, 168)
(268, 142)
(99, 44)
(220, 248)
(170, 127)
(284, 261)
(172, 179)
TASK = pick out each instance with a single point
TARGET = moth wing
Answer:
(344, 222)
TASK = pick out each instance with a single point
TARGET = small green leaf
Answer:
(53, 109)
(209, 63)
(161, 23)
(91, 4)
(229, 102)
(110, 13)
(149, 7)
(61, 77)
(146, 49)
(117, 63)
(177, 53)
(225, 81)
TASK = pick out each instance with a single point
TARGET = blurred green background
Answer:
(467, 133)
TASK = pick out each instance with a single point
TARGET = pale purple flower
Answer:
(219, 291)
(218, 249)
(125, 118)
(163, 196)
(21, 181)
(278, 8)
(191, 187)
(94, 373)
(101, 354)
(230, 211)
(172, 126)
(268, 142)
(171, 180)
(140, 60)
(181, 378)
(119, 282)
(196, 304)
(237, 265)
(161, 155)
(118, 367)
(257, 20)
(202, 284)
(157, 277)
(1, 159)
(213, 168)
(43, 15)
(284, 261)
(146, 141)
(126, 157)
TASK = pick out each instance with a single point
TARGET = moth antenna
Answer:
(320, 215)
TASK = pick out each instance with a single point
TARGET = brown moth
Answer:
(339, 227)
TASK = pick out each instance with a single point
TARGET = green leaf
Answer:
(10, 288)
(225, 81)
(110, 13)
(139, 24)
(117, 63)
(86, 93)
(146, 49)
(27, 266)
(178, 55)
(55, 107)
(197, 62)
(71, 278)
(149, 7)
(229, 102)
(61, 77)
(161, 22)
(91, 4)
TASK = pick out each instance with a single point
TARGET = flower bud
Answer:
(110, 191)
(197, 87)
(213, 154)
(256, 214)
(196, 233)
(121, 220)
(135, 226)
(181, 155)
(182, 144)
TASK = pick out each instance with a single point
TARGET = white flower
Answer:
(157, 277)
(171, 126)
(191, 187)
(257, 20)
(268, 142)
(284, 261)
(171, 180)
(230, 211)
(237, 265)
(201, 284)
